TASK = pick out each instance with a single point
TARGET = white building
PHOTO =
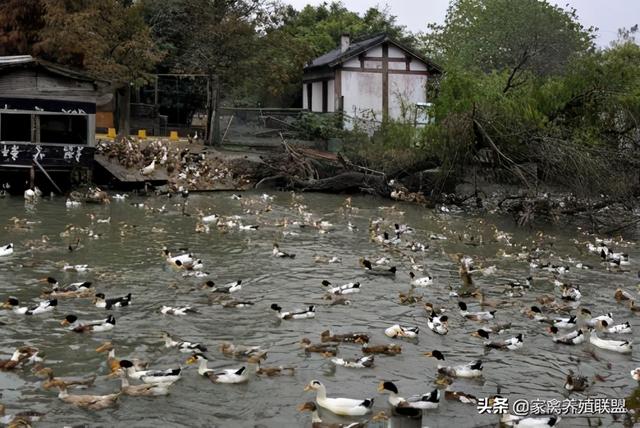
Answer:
(375, 78)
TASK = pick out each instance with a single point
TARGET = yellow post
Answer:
(142, 133)
(111, 133)
(173, 136)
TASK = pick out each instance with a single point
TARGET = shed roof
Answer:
(336, 57)
(27, 61)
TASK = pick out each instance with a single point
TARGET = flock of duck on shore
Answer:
(563, 315)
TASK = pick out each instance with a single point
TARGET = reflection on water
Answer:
(126, 257)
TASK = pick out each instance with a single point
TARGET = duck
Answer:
(101, 302)
(114, 363)
(592, 321)
(529, 422)
(326, 349)
(469, 370)
(635, 374)
(327, 336)
(575, 383)
(624, 328)
(42, 307)
(240, 375)
(535, 313)
(96, 326)
(316, 422)
(194, 265)
(365, 361)
(268, 371)
(391, 349)
(231, 287)
(571, 293)
(6, 250)
(213, 218)
(633, 307)
(19, 420)
(75, 268)
(397, 330)
(183, 346)
(576, 337)
(75, 289)
(497, 328)
(378, 270)
(90, 402)
(237, 304)
(296, 314)
(18, 357)
(438, 324)
(349, 288)
(240, 351)
(420, 282)
(151, 376)
(339, 406)
(57, 382)
(184, 258)
(327, 259)
(510, 344)
(621, 295)
(475, 316)
(179, 311)
(564, 323)
(423, 401)
(281, 254)
(148, 170)
(145, 389)
(621, 346)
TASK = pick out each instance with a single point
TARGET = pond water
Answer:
(127, 259)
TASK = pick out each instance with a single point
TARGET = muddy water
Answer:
(126, 258)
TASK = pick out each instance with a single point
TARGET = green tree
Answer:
(526, 37)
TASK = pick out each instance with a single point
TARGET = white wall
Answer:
(405, 88)
(361, 94)
(316, 96)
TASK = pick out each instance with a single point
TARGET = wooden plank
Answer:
(56, 156)
(125, 175)
(391, 71)
(385, 81)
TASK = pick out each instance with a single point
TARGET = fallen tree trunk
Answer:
(345, 182)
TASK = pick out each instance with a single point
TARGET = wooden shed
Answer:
(47, 114)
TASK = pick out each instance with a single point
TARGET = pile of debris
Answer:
(187, 169)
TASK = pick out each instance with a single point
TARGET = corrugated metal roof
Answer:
(17, 61)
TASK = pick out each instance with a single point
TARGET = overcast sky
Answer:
(607, 15)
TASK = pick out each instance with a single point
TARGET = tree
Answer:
(103, 37)
(20, 25)
(525, 37)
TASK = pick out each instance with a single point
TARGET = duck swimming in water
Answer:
(101, 302)
(470, 370)
(438, 324)
(510, 344)
(423, 401)
(621, 346)
(327, 336)
(183, 346)
(89, 402)
(151, 376)
(240, 375)
(529, 421)
(475, 316)
(358, 363)
(397, 330)
(420, 282)
(43, 307)
(96, 326)
(281, 254)
(574, 338)
(349, 288)
(6, 250)
(316, 422)
(378, 270)
(231, 287)
(296, 314)
(339, 406)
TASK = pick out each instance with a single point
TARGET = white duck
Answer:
(148, 170)
(41, 308)
(621, 346)
(151, 376)
(6, 250)
(438, 324)
(470, 370)
(423, 401)
(349, 288)
(397, 330)
(529, 422)
(339, 406)
(240, 375)
(420, 282)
